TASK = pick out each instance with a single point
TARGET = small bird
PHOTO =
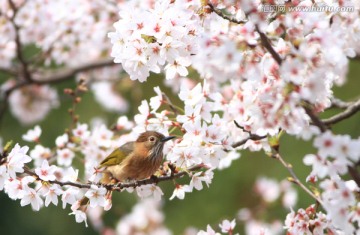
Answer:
(135, 160)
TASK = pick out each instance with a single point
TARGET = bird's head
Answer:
(153, 138)
(154, 142)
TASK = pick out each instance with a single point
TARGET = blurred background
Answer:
(231, 189)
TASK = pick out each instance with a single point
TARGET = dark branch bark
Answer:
(354, 174)
(315, 119)
(265, 41)
(350, 111)
(226, 17)
(251, 136)
(19, 48)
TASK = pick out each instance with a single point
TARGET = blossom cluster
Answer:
(308, 221)
(147, 40)
(335, 154)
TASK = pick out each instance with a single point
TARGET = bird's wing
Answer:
(118, 155)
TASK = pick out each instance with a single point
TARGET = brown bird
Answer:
(135, 160)
(132, 161)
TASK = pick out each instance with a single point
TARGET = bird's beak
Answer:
(167, 138)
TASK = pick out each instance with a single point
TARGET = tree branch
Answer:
(265, 41)
(19, 49)
(337, 103)
(7, 71)
(251, 136)
(349, 111)
(53, 77)
(315, 119)
(226, 17)
(120, 186)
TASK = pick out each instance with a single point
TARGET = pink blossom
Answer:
(33, 135)
(17, 159)
(227, 226)
(180, 191)
(96, 196)
(32, 197)
(46, 172)
(80, 217)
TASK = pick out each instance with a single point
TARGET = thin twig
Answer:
(168, 101)
(252, 136)
(337, 103)
(295, 179)
(226, 17)
(349, 111)
(265, 41)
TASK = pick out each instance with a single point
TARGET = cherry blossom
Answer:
(33, 135)
(69, 196)
(209, 231)
(65, 157)
(80, 217)
(46, 172)
(227, 226)
(96, 196)
(32, 197)
(180, 191)
(148, 190)
(199, 177)
(16, 160)
(52, 195)
(124, 123)
(40, 153)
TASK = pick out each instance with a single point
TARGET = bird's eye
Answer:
(152, 138)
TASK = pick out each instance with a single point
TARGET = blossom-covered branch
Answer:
(226, 17)
(122, 185)
(25, 72)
